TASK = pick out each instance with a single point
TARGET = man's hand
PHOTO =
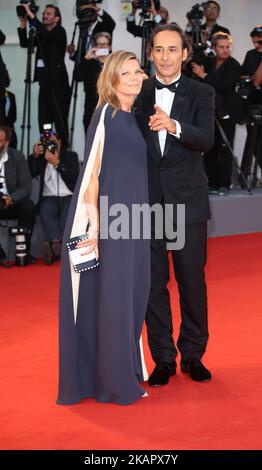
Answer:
(28, 11)
(71, 49)
(52, 158)
(152, 9)
(161, 120)
(198, 70)
(8, 201)
(91, 54)
(38, 149)
(23, 22)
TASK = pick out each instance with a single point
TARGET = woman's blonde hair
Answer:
(109, 78)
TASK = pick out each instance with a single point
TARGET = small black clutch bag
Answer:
(79, 261)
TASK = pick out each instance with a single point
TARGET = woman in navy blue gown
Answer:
(102, 310)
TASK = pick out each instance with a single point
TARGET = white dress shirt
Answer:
(2, 172)
(164, 99)
(54, 185)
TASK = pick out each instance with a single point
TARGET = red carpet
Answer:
(222, 414)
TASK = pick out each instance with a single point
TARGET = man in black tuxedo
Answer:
(178, 125)
(50, 69)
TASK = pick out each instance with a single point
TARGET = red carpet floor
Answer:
(222, 414)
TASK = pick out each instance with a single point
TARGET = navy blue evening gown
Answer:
(100, 355)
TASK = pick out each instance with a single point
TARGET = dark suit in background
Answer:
(54, 92)
(4, 80)
(230, 110)
(8, 115)
(178, 177)
(88, 71)
(19, 185)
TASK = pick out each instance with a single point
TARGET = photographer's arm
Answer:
(35, 163)
(57, 35)
(107, 21)
(22, 33)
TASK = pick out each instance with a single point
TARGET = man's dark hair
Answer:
(256, 31)
(57, 12)
(173, 27)
(7, 131)
(217, 4)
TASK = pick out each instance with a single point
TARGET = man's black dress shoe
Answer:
(161, 373)
(196, 370)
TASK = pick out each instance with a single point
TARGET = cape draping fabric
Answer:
(81, 216)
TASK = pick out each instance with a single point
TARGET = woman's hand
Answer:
(91, 243)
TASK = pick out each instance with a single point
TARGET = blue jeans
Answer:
(53, 213)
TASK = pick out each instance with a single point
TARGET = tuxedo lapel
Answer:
(149, 110)
(176, 110)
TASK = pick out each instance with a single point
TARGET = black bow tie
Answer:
(171, 87)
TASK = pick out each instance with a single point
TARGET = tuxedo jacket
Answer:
(178, 176)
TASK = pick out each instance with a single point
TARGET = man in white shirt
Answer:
(176, 116)
(57, 170)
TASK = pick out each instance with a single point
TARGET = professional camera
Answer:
(195, 16)
(196, 12)
(143, 4)
(46, 139)
(20, 10)
(21, 248)
(245, 87)
(87, 15)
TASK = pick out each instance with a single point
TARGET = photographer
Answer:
(88, 71)
(223, 74)
(4, 81)
(15, 188)
(58, 171)
(251, 88)
(50, 70)
(92, 20)
(155, 14)
(251, 63)
(210, 27)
